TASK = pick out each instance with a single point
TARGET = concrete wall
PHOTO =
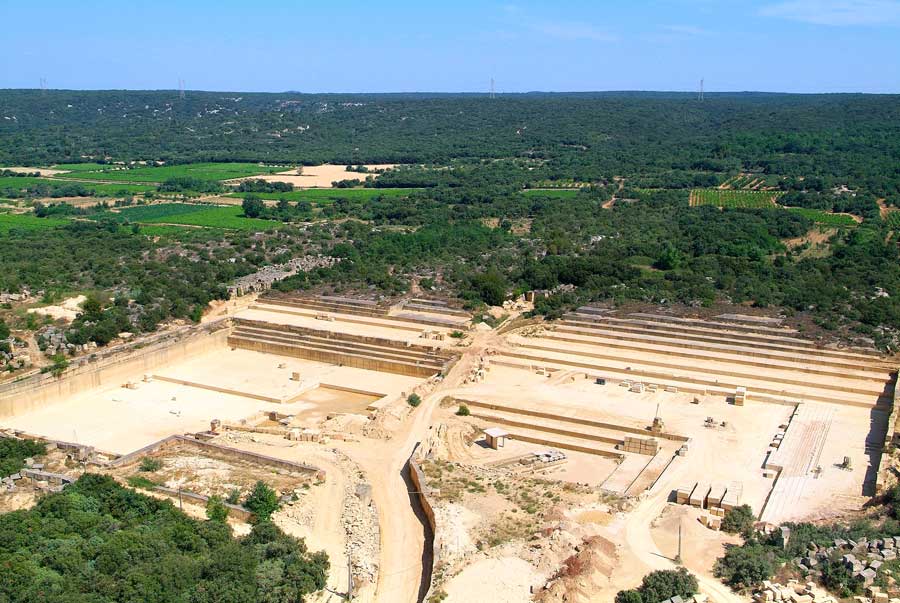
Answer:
(112, 367)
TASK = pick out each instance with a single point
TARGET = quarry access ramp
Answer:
(338, 348)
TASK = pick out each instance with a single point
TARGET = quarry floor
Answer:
(236, 385)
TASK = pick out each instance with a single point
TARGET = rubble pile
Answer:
(262, 279)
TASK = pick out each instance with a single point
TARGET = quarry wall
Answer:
(112, 367)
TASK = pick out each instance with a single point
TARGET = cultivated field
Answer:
(27, 222)
(202, 171)
(732, 198)
(211, 216)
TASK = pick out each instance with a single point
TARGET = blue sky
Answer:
(356, 46)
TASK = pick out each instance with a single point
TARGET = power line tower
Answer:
(700, 95)
(43, 85)
(492, 88)
(180, 88)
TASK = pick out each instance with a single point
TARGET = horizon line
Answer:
(458, 92)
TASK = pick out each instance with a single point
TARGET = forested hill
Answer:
(849, 139)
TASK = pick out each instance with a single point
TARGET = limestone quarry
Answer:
(435, 457)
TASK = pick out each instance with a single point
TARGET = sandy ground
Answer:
(509, 581)
(120, 420)
(31, 170)
(67, 310)
(318, 176)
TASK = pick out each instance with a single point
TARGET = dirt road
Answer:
(640, 545)
(402, 532)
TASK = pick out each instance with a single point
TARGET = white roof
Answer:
(496, 432)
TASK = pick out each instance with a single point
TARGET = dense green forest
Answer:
(495, 197)
(664, 139)
(97, 541)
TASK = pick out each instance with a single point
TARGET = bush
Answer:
(253, 206)
(414, 400)
(745, 566)
(216, 509)
(14, 452)
(463, 411)
(150, 464)
(234, 497)
(661, 585)
(262, 502)
(141, 482)
(739, 520)
(457, 335)
(97, 541)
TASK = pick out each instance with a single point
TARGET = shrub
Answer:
(414, 400)
(739, 520)
(463, 411)
(14, 452)
(234, 497)
(150, 464)
(262, 502)
(216, 509)
(139, 481)
(744, 566)
(457, 334)
(661, 585)
(629, 596)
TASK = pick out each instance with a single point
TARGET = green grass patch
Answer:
(99, 190)
(825, 218)
(82, 167)
(228, 217)
(149, 213)
(10, 222)
(203, 171)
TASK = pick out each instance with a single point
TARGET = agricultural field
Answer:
(99, 190)
(229, 217)
(732, 198)
(321, 195)
(756, 182)
(83, 167)
(146, 213)
(563, 183)
(19, 183)
(203, 171)
(27, 222)
(209, 216)
(825, 218)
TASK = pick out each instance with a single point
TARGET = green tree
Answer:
(629, 596)
(739, 520)
(4, 329)
(414, 400)
(216, 509)
(262, 502)
(745, 566)
(253, 206)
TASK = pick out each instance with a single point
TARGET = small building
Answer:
(495, 437)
